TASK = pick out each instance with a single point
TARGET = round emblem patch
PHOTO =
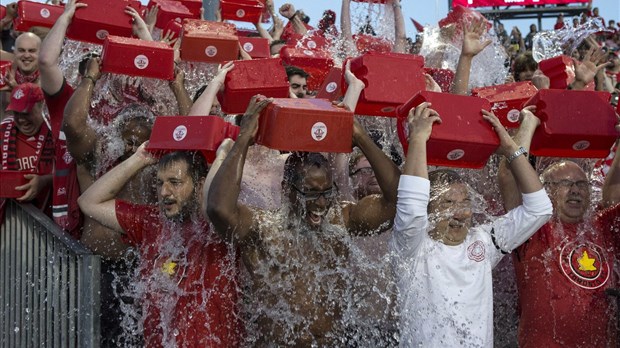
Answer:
(581, 145)
(179, 133)
(475, 251)
(455, 154)
(240, 13)
(102, 34)
(319, 131)
(211, 51)
(585, 265)
(141, 61)
(67, 157)
(248, 47)
(513, 115)
(311, 44)
(45, 13)
(331, 87)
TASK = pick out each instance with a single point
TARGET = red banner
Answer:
(489, 3)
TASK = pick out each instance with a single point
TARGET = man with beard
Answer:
(444, 263)
(298, 84)
(297, 256)
(187, 272)
(564, 269)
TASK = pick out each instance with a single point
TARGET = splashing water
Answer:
(549, 44)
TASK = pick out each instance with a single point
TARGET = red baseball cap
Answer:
(24, 97)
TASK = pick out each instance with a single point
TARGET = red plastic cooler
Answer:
(241, 10)
(560, 71)
(251, 77)
(175, 27)
(193, 6)
(391, 79)
(317, 63)
(464, 139)
(32, 14)
(170, 10)
(256, 47)
(206, 41)
(577, 124)
(443, 77)
(507, 100)
(9, 179)
(330, 89)
(134, 57)
(100, 19)
(313, 125)
(369, 43)
(191, 133)
(5, 67)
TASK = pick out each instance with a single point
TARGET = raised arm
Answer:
(288, 11)
(98, 201)
(508, 186)
(400, 39)
(203, 104)
(345, 25)
(51, 47)
(81, 138)
(525, 176)
(611, 187)
(586, 70)
(180, 93)
(140, 29)
(231, 219)
(420, 122)
(472, 34)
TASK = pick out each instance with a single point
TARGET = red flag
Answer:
(419, 27)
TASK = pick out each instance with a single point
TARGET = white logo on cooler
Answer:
(331, 87)
(102, 34)
(179, 133)
(513, 115)
(45, 13)
(211, 51)
(581, 145)
(455, 154)
(319, 131)
(141, 61)
(248, 47)
(240, 13)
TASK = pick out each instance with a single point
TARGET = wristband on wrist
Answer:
(519, 152)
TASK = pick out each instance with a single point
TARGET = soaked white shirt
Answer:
(446, 292)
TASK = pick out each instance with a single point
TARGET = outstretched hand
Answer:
(249, 121)
(593, 61)
(421, 120)
(507, 146)
(472, 34)
(71, 6)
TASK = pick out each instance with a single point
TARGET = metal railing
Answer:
(49, 284)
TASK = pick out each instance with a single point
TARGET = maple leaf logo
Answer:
(169, 267)
(586, 263)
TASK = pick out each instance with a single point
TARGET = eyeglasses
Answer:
(581, 184)
(312, 196)
(364, 171)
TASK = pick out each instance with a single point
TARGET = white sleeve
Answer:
(411, 219)
(519, 224)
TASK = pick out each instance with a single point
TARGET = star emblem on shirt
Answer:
(586, 263)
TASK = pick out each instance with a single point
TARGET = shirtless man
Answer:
(297, 256)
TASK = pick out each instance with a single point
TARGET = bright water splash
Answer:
(553, 43)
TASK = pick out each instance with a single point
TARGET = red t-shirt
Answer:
(188, 276)
(562, 273)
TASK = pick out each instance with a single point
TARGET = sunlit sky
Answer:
(429, 12)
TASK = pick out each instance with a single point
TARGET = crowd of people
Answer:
(270, 248)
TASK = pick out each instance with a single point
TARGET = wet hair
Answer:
(441, 178)
(134, 112)
(196, 163)
(523, 62)
(296, 161)
(84, 62)
(293, 70)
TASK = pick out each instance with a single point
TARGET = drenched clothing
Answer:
(446, 294)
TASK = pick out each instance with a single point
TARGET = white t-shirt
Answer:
(446, 292)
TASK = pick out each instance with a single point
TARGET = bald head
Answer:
(569, 190)
(27, 53)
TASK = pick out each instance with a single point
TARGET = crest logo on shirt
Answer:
(19, 94)
(585, 265)
(475, 251)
